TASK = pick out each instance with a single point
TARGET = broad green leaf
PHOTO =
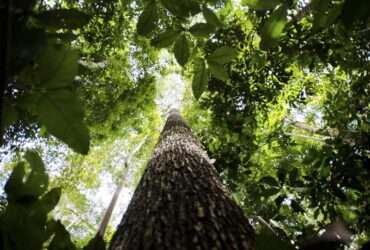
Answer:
(273, 29)
(96, 243)
(270, 191)
(192, 6)
(22, 226)
(61, 113)
(282, 173)
(270, 181)
(202, 29)
(261, 4)
(49, 201)
(58, 67)
(355, 10)
(211, 17)
(324, 13)
(340, 194)
(63, 19)
(148, 19)
(177, 8)
(296, 206)
(62, 239)
(37, 181)
(200, 79)
(182, 50)
(293, 175)
(218, 71)
(222, 55)
(15, 182)
(266, 239)
(165, 39)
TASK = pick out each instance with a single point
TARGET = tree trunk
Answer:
(180, 202)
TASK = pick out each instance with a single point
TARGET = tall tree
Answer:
(180, 203)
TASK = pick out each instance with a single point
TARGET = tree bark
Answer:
(180, 202)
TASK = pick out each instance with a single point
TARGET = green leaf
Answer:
(192, 6)
(177, 8)
(273, 29)
(49, 201)
(267, 239)
(200, 79)
(62, 239)
(15, 182)
(63, 19)
(148, 19)
(61, 112)
(261, 4)
(340, 194)
(58, 67)
(222, 55)
(182, 50)
(281, 173)
(211, 17)
(165, 39)
(96, 243)
(269, 180)
(270, 191)
(324, 13)
(202, 29)
(37, 181)
(294, 175)
(296, 206)
(218, 71)
(355, 10)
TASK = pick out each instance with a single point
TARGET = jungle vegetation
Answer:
(276, 91)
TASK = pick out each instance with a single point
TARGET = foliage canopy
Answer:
(277, 91)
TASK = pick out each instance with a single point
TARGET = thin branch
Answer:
(112, 204)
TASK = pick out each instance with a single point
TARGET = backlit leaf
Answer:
(49, 201)
(218, 71)
(211, 17)
(270, 181)
(266, 239)
(200, 79)
(273, 29)
(202, 29)
(222, 55)
(37, 181)
(96, 243)
(61, 112)
(148, 19)
(165, 39)
(177, 8)
(182, 50)
(61, 240)
(15, 181)
(58, 67)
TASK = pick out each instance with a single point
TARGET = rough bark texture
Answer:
(180, 202)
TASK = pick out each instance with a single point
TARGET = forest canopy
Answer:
(276, 91)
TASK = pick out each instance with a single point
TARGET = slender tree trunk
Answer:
(180, 202)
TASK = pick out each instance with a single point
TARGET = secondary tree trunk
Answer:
(180, 202)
